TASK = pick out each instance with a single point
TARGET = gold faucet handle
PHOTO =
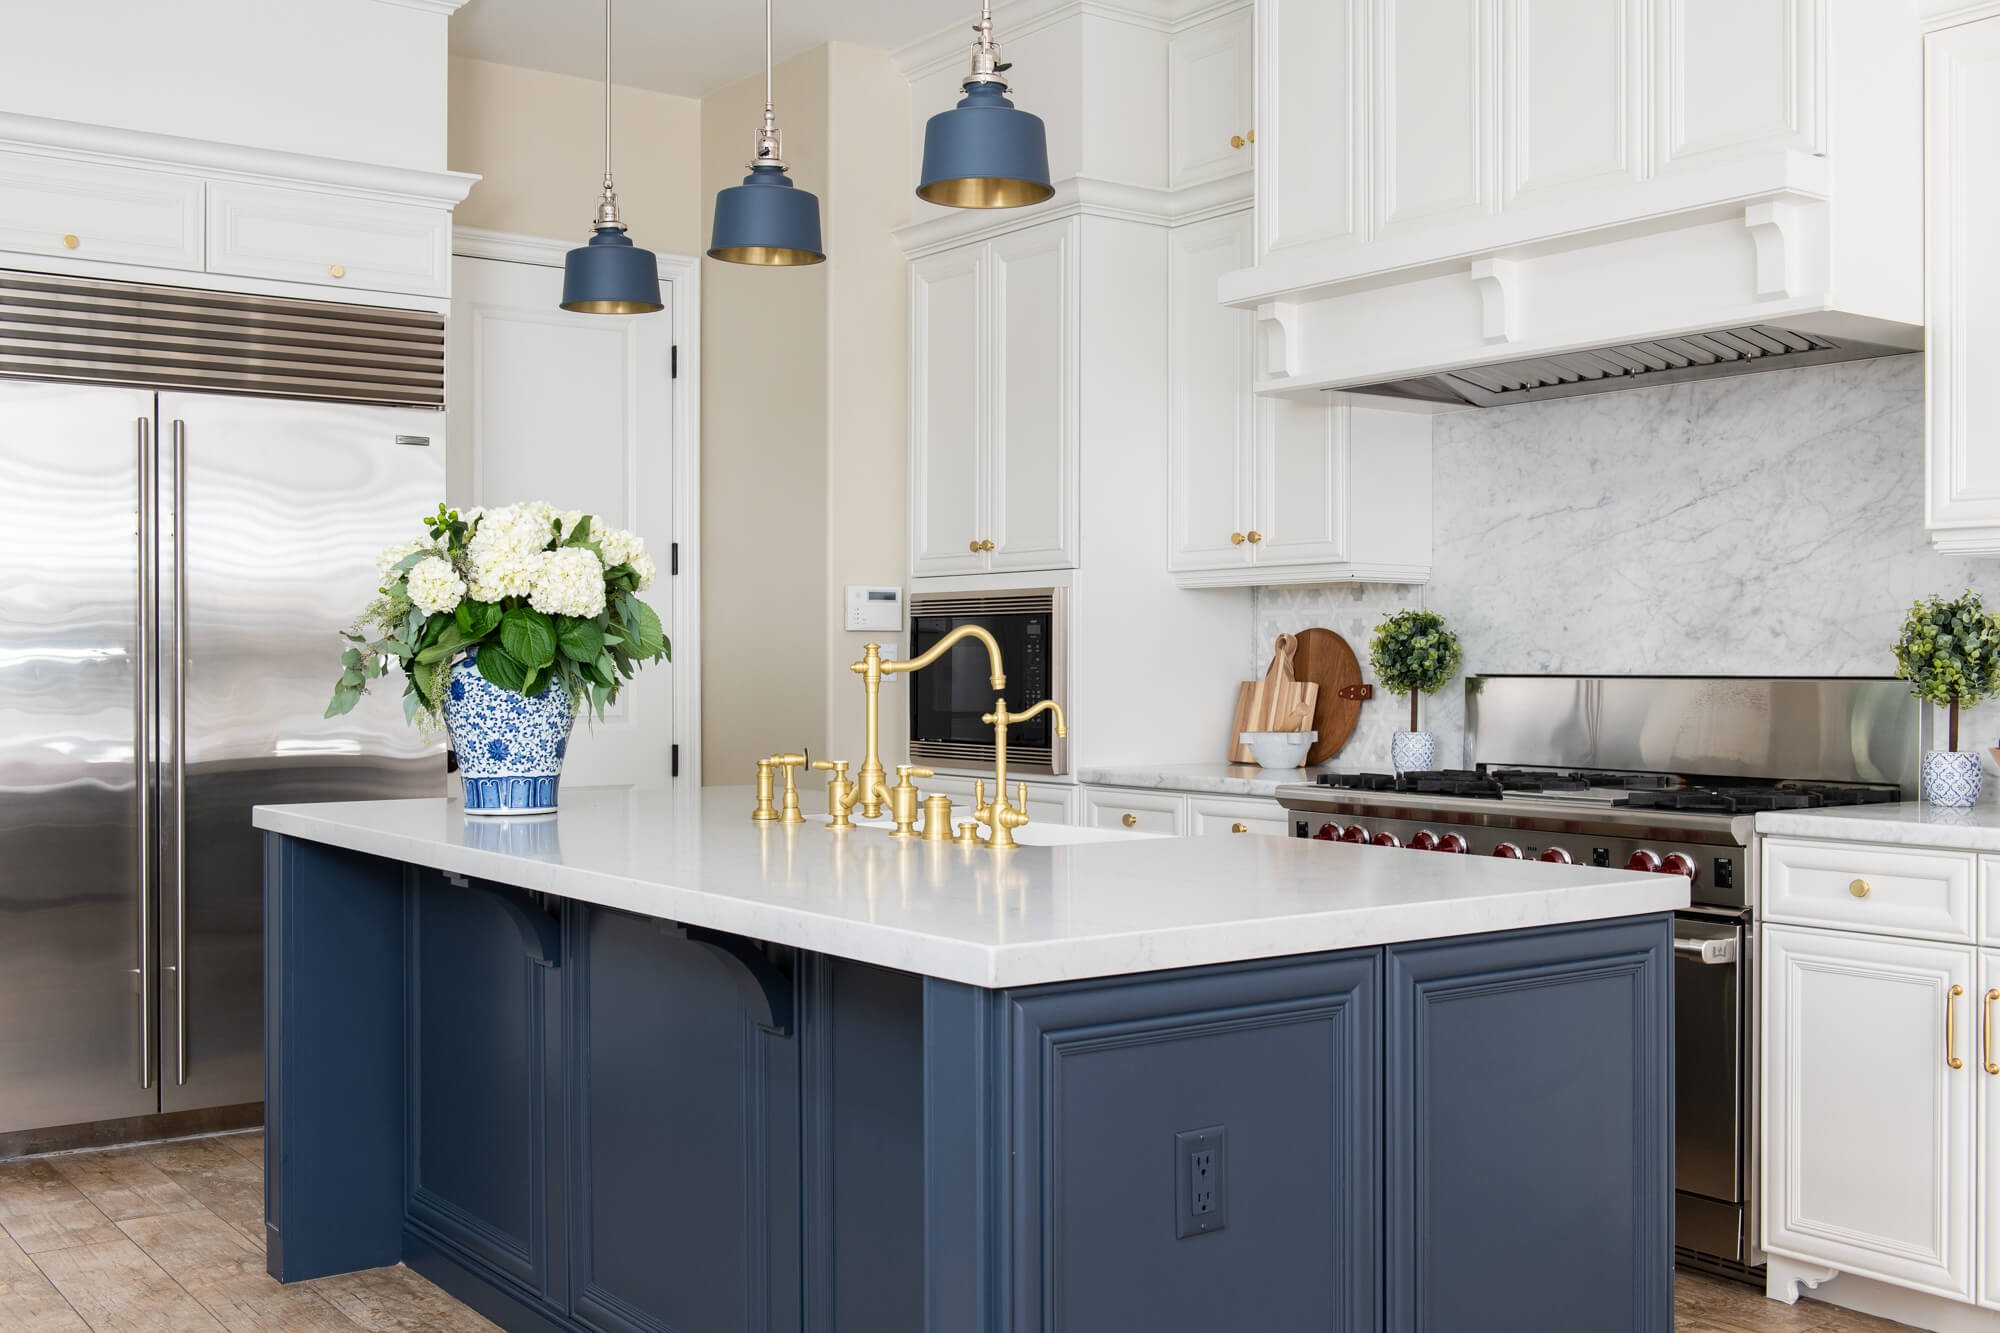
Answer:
(838, 789)
(904, 772)
(838, 767)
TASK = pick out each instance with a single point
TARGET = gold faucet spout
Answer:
(945, 645)
(1045, 706)
(871, 785)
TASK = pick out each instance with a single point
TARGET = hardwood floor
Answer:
(168, 1237)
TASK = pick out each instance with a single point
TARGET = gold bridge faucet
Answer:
(870, 789)
(997, 815)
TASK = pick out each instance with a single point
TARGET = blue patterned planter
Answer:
(510, 746)
(1952, 777)
(1412, 751)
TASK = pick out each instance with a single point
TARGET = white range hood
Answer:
(1724, 191)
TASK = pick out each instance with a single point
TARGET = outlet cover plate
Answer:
(1201, 1181)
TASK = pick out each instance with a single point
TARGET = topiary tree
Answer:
(1950, 653)
(1413, 653)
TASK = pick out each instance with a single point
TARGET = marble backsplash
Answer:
(1770, 524)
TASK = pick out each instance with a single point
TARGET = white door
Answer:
(948, 336)
(1209, 411)
(1311, 154)
(1208, 100)
(576, 410)
(1303, 486)
(1032, 457)
(1987, 1150)
(1868, 1127)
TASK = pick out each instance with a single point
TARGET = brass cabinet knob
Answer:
(1130, 821)
(986, 545)
(1254, 536)
(1239, 828)
(974, 546)
(337, 271)
(70, 242)
(1236, 141)
(1859, 888)
(1235, 539)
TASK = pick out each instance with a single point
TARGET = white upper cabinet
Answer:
(1310, 154)
(1570, 75)
(1433, 111)
(1962, 284)
(1277, 491)
(88, 210)
(993, 413)
(1733, 78)
(1209, 77)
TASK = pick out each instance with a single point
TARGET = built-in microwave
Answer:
(948, 697)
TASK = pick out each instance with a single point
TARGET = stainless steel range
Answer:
(1659, 773)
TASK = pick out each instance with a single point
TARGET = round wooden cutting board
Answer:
(1324, 658)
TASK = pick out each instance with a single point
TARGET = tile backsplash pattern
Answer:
(1770, 524)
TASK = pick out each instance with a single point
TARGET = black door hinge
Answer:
(675, 762)
(674, 363)
(674, 558)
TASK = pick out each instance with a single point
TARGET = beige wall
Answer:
(538, 139)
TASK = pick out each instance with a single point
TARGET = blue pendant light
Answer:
(610, 275)
(985, 153)
(767, 220)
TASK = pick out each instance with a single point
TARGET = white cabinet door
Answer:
(1302, 483)
(1229, 814)
(1146, 811)
(1988, 1150)
(258, 231)
(948, 412)
(1570, 76)
(1209, 422)
(1433, 110)
(1310, 158)
(1868, 1128)
(1032, 420)
(86, 210)
(1962, 284)
(1209, 70)
(1731, 78)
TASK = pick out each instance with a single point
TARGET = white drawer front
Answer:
(1859, 886)
(86, 211)
(1222, 814)
(1149, 812)
(1989, 920)
(301, 236)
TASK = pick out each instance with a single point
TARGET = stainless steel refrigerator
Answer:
(174, 568)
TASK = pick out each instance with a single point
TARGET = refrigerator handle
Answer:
(180, 753)
(143, 747)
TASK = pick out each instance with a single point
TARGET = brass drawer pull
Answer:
(1859, 888)
(1130, 821)
(1950, 1035)
(337, 271)
(1986, 1035)
(70, 242)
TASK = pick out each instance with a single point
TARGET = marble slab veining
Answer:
(1907, 824)
(1025, 917)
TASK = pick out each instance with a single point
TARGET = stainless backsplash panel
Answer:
(1845, 729)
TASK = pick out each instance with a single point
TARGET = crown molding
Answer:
(512, 246)
(263, 166)
(1086, 196)
(1950, 13)
(953, 45)
(444, 7)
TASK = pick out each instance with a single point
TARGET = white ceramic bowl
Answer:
(1279, 749)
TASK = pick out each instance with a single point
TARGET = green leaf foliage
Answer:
(500, 667)
(650, 637)
(528, 636)
(581, 640)
(1412, 651)
(1950, 650)
(478, 619)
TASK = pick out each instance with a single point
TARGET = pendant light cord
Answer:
(607, 95)
(767, 57)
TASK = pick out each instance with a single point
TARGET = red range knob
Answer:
(1557, 855)
(1451, 842)
(1423, 840)
(1643, 859)
(1387, 840)
(1678, 863)
(1327, 833)
(1354, 833)
(1509, 851)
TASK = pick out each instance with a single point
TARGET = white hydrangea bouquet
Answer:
(544, 596)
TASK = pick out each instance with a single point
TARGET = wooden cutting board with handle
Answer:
(1323, 658)
(1268, 704)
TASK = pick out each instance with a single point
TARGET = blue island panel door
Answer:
(1530, 1132)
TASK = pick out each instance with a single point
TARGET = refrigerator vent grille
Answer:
(149, 337)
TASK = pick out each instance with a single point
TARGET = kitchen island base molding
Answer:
(573, 1117)
(1788, 1279)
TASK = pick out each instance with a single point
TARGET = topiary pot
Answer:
(1952, 777)
(510, 746)
(1412, 751)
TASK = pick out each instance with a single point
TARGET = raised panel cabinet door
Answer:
(1986, 1149)
(1210, 412)
(1209, 75)
(1032, 418)
(1732, 79)
(1433, 104)
(86, 210)
(1311, 149)
(1161, 812)
(948, 412)
(1962, 279)
(1868, 1163)
(1303, 487)
(1571, 99)
(258, 231)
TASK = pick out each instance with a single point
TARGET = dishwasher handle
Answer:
(1710, 953)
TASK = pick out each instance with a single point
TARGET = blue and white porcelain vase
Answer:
(1952, 777)
(510, 746)
(1412, 751)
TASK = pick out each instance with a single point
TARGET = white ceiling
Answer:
(688, 47)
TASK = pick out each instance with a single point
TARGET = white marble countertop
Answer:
(1910, 823)
(1099, 903)
(1206, 779)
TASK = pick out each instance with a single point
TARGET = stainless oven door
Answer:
(1710, 1107)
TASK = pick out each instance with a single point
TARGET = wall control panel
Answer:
(871, 609)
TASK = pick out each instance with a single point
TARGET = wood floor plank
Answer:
(117, 1288)
(41, 1210)
(218, 1267)
(29, 1302)
(124, 1184)
(227, 1184)
(396, 1300)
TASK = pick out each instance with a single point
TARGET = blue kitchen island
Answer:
(648, 1065)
